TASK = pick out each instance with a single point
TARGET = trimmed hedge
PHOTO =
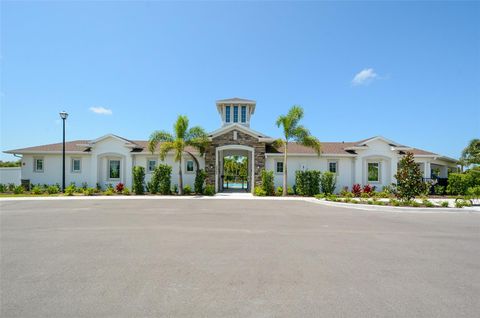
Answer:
(267, 182)
(307, 182)
(138, 179)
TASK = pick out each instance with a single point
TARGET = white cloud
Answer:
(101, 110)
(364, 77)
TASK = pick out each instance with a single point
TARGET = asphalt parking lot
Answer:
(234, 258)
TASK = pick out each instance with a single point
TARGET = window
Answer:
(38, 165)
(332, 167)
(76, 165)
(189, 166)
(373, 172)
(235, 113)
(151, 165)
(227, 114)
(244, 114)
(279, 167)
(114, 169)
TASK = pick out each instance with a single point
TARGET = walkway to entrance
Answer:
(235, 194)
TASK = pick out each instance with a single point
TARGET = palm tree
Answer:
(182, 137)
(471, 153)
(293, 131)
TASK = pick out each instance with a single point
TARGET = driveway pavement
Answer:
(234, 258)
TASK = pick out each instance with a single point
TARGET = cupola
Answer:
(236, 111)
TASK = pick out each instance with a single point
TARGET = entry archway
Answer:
(234, 150)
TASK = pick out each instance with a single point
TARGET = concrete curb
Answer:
(362, 207)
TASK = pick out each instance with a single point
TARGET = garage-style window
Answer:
(114, 169)
(38, 164)
(373, 172)
(76, 165)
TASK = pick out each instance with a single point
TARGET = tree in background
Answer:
(471, 153)
(293, 131)
(182, 137)
(9, 164)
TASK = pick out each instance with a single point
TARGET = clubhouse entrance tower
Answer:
(236, 138)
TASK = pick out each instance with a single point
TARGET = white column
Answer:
(427, 170)
(128, 171)
(93, 171)
(358, 171)
(393, 169)
(443, 172)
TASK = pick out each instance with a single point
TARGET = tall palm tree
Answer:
(293, 131)
(182, 137)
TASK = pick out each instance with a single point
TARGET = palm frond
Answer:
(165, 148)
(278, 143)
(312, 142)
(180, 127)
(300, 132)
(157, 137)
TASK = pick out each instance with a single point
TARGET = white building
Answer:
(109, 159)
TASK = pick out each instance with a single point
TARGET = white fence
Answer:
(10, 175)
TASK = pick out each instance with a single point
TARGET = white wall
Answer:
(188, 178)
(10, 175)
(299, 162)
(52, 169)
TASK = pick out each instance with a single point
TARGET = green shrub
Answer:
(414, 204)
(444, 204)
(175, 189)
(37, 190)
(109, 191)
(394, 202)
(279, 191)
(11, 187)
(319, 196)
(307, 182)
(427, 203)
(474, 192)
(187, 190)
(18, 189)
(84, 186)
(70, 190)
(200, 181)
(138, 180)
(53, 189)
(259, 192)
(327, 182)
(409, 178)
(209, 190)
(378, 203)
(89, 191)
(125, 191)
(161, 179)
(370, 201)
(439, 189)
(458, 183)
(3, 188)
(267, 182)
(364, 195)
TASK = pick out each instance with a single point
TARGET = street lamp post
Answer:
(63, 116)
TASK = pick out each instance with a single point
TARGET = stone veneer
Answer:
(243, 140)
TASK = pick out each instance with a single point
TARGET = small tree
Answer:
(409, 178)
(200, 181)
(267, 182)
(327, 182)
(471, 153)
(138, 179)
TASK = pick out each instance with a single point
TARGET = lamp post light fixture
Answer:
(63, 116)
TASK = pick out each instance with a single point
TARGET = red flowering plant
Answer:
(357, 190)
(367, 189)
(119, 187)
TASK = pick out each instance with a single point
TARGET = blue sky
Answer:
(408, 71)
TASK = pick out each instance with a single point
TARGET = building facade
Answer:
(110, 158)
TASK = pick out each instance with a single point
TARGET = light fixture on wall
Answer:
(63, 116)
